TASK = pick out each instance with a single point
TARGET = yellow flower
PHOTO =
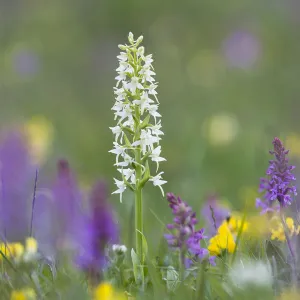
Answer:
(30, 249)
(105, 291)
(14, 250)
(225, 237)
(24, 294)
(277, 230)
(222, 241)
(291, 226)
(6, 249)
(31, 245)
(17, 250)
(234, 224)
(40, 134)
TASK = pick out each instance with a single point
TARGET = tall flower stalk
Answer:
(138, 129)
(278, 186)
(279, 190)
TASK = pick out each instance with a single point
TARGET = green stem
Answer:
(138, 209)
(181, 264)
(289, 244)
(138, 177)
(138, 193)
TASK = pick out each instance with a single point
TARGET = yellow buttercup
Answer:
(277, 230)
(105, 291)
(18, 252)
(23, 294)
(226, 235)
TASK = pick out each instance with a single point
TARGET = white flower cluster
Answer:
(119, 249)
(138, 131)
(255, 273)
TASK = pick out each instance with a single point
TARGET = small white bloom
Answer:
(144, 102)
(130, 69)
(129, 123)
(128, 160)
(121, 94)
(153, 111)
(132, 179)
(158, 181)
(118, 150)
(129, 174)
(147, 74)
(156, 129)
(125, 112)
(121, 188)
(152, 91)
(155, 156)
(121, 77)
(148, 60)
(118, 107)
(123, 66)
(123, 56)
(119, 249)
(251, 273)
(146, 141)
(134, 84)
(117, 131)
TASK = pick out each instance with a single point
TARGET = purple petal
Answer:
(17, 184)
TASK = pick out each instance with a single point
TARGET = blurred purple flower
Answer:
(26, 63)
(100, 229)
(241, 49)
(45, 224)
(214, 214)
(16, 188)
(185, 238)
(67, 200)
(279, 183)
(85, 232)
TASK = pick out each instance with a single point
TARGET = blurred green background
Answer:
(228, 78)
